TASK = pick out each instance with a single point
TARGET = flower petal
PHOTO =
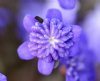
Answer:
(69, 78)
(24, 53)
(45, 67)
(77, 32)
(75, 49)
(3, 77)
(28, 22)
(54, 13)
(67, 4)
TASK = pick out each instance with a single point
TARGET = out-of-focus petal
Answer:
(75, 49)
(67, 4)
(77, 32)
(3, 77)
(79, 39)
(54, 13)
(45, 67)
(24, 53)
(28, 22)
(91, 26)
(68, 78)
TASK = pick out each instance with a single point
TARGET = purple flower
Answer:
(80, 67)
(5, 18)
(49, 40)
(67, 4)
(3, 77)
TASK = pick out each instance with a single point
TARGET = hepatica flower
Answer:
(80, 67)
(2, 77)
(49, 40)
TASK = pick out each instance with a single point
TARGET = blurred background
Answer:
(12, 34)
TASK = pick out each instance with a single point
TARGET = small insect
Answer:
(39, 19)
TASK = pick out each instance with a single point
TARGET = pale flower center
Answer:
(52, 41)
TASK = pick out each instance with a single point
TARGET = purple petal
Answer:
(3, 77)
(69, 78)
(74, 49)
(54, 13)
(28, 22)
(45, 67)
(77, 32)
(24, 53)
(67, 4)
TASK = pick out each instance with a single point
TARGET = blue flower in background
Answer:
(80, 67)
(3, 77)
(67, 4)
(49, 40)
(5, 17)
